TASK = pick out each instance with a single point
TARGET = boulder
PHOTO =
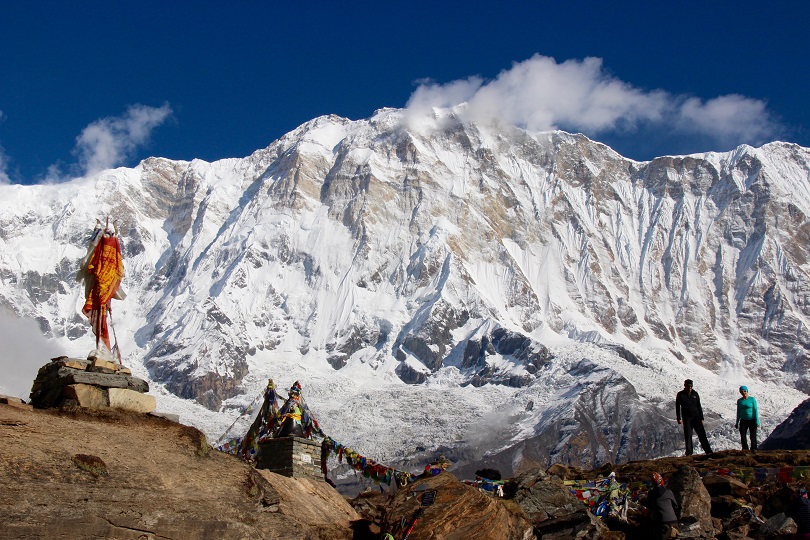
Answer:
(737, 535)
(558, 469)
(14, 402)
(441, 507)
(370, 504)
(779, 526)
(695, 503)
(74, 363)
(553, 510)
(738, 524)
(107, 380)
(104, 366)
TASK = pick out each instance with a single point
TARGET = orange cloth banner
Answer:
(107, 268)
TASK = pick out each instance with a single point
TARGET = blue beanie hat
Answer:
(743, 389)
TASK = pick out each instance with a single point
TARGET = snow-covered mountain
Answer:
(439, 285)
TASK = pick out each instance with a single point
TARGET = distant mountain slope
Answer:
(487, 266)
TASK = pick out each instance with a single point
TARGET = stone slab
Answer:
(103, 366)
(86, 395)
(106, 380)
(75, 363)
(130, 400)
(718, 485)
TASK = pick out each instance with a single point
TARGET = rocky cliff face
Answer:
(448, 253)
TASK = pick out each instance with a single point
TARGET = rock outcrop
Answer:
(455, 511)
(81, 473)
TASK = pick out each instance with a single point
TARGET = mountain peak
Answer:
(462, 269)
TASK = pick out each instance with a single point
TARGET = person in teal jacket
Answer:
(747, 418)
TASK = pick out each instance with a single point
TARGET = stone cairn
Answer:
(93, 383)
(295, 457)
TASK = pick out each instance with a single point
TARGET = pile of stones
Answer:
(94, 383)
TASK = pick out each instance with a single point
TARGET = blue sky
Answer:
(89, 85)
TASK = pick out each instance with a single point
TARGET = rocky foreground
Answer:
(83, 473)
(94, 474)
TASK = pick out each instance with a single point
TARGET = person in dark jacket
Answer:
(663, 509)
(689, 412)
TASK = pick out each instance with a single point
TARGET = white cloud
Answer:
(429, 95)
(107, 142)
(25, 350)
(726, 118)
(4, 179)
(541, 95)
(579, 95)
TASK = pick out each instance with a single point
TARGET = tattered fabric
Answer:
(107, 268)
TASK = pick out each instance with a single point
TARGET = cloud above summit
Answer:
(540, 94)
(107, 142)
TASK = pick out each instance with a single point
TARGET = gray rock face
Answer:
(628, 429)
(503, 344)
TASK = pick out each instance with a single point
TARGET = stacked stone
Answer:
(295, 457)
(92, 383)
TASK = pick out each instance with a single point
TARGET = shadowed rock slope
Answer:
(793, 433)
(107, 474)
